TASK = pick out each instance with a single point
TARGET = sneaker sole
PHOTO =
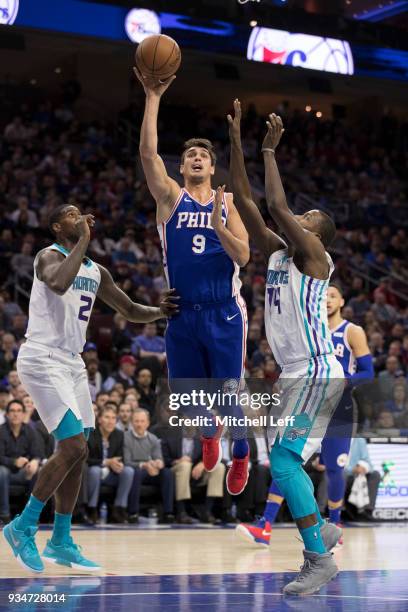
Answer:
(70, 564)
(246, 535)
(219, 458)
(19, 559)
(316, 589)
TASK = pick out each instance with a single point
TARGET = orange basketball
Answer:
(158, 56)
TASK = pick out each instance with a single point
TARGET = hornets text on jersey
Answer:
(61, 321)
(194, 260)
(296, 313)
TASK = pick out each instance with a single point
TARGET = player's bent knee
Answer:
(284, 463)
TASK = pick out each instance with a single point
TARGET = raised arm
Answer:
(114, 297)
(163, 188)
(58, 272)
(266, 240)
(304, 242)
(233, 237)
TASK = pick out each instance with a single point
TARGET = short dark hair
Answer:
(203, 143)
(56, 216)
(337, 286)
(327, 228)
(108, 407)
(14, 401)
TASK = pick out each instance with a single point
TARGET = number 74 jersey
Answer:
(296, 312)
(61, 321)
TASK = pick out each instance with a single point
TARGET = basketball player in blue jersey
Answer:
(351, 349)
(52, 371)
(312, 379)
(204, 243)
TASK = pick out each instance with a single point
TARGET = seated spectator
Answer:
(147, 399)
(115, 397)
(13, 382)
(101, 398)
(94, 377)
(383, 312)
(5, 321)
(30, 413)
(360, 304)
(124, 422)
(385, 420)
(5, 397)
(262, 352)
(22, 263)
(143, 452)
(90, 351)
(125, 374)
(149, 344)
(387, 378)
(399, 402)
(123, 255)
(121, 336)
(19, 326)
(106, 465)
(23, 211)
(132, 398)
(359, 464)
(20, 455)
(182, 453)
(8, 354)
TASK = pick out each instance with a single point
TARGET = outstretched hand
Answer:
(152, 86)
(274, 133)
(235, 122)
(167, 305)
(216, 215)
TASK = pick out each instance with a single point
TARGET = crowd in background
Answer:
(48, 157)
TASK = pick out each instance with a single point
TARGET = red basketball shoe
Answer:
(257, 533)
(238, 475)
(212, 450)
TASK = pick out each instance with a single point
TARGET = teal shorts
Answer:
(70, 426)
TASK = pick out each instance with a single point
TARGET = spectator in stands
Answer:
(125, 374)
(261, 353)
(5, 321)
(22, 263)
(182, 453)
(399, 402)
(143, 452)
(149, 344)
(359, 464)
(94, 377)
(19, 326)
(121, 336)
(385, 421)
(30, 413)
(5, 397)
(360, 304)
(23, 212)
(15, 132)
(124, 422)
(106, 466)
(147, 399)
(376, 343)
(10, 308)
(20, 455)
(8, 354)
(383, 312)
(90, 351)
(101, 398)
(13, 382)
(124, 256)
(386, 379)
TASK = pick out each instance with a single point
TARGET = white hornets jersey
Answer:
(296, 312)
(61, 321)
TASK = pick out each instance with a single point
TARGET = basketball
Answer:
(158, 56)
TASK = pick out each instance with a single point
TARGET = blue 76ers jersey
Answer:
(195, 262)
(342, 349)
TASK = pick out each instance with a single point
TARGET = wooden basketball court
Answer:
(210, 568)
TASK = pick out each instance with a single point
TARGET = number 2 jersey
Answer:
(61, 321)
(195, 262)
(296, 314)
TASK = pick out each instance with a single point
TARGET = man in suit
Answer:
(182, 453)
(105, 465)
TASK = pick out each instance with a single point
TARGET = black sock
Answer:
(180, 506)
(209, 503)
